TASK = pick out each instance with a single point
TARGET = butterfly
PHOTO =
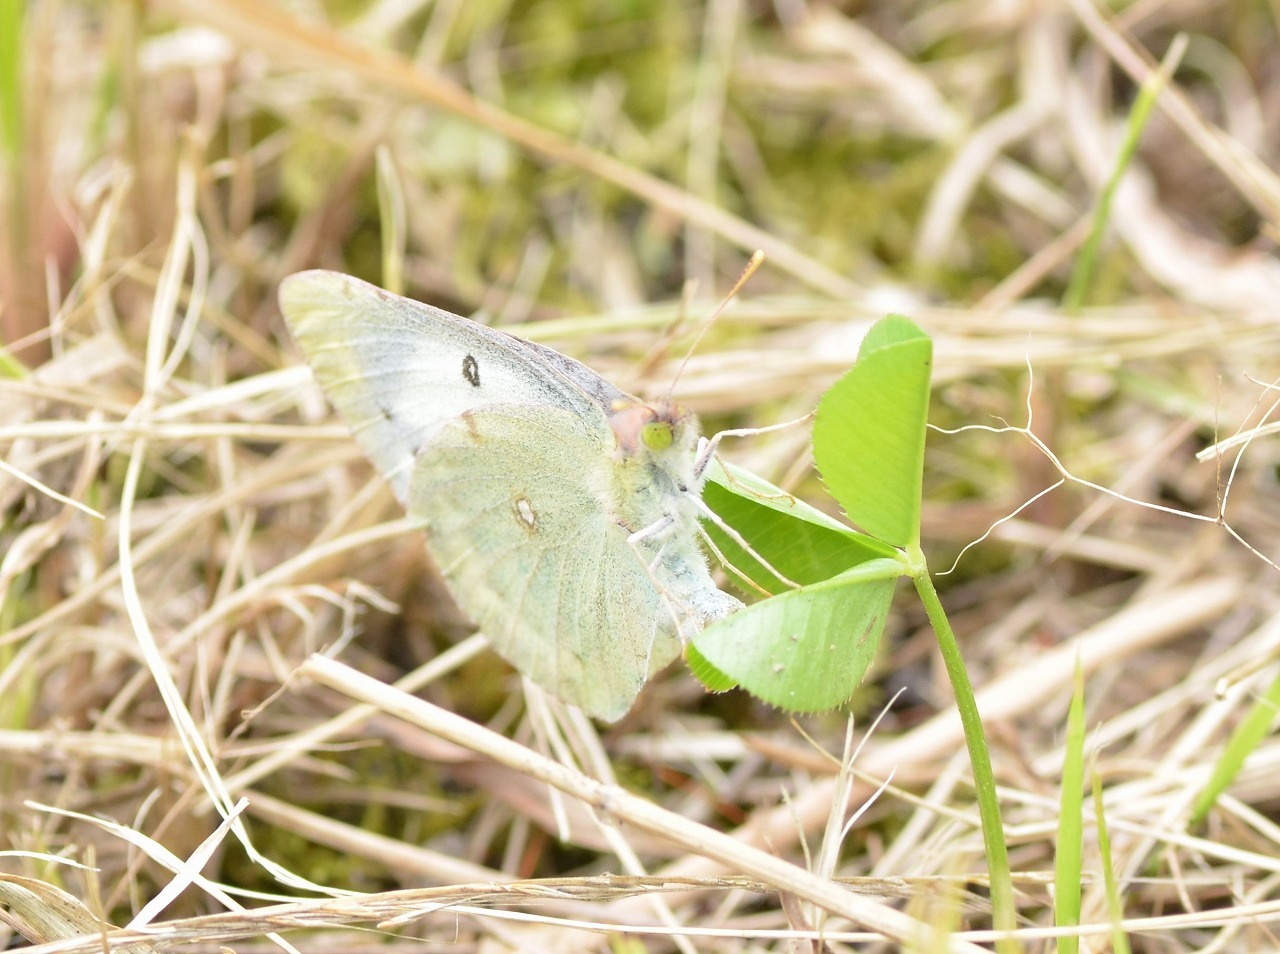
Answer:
(562, 511)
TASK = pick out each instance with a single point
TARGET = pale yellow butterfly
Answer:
(562, 511)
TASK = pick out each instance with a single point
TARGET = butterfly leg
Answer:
(654, 529)
(741, 541)
(706, 451)
(679, 620)
(707, 446)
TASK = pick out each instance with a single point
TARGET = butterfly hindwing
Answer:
(535, 556)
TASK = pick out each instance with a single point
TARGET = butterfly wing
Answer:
(515, 503)
(398, 369)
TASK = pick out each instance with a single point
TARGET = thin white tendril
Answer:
(1068, 477)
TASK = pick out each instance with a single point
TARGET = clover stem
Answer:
(1003, 911)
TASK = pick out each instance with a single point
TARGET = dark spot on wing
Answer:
(386, 413)
(471, 371)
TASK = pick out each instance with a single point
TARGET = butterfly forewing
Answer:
(398, 369)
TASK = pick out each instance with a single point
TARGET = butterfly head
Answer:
(654, 479)
(652, 429)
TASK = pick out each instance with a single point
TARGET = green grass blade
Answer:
(1069, 855)
(12, 168)
(11, 65)
(391, 222)
(1253, 728)
(1115, 905)
(1086, 262)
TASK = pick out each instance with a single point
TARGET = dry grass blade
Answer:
(611, 801)
(319, 49)
(184, 523)
(44, 914)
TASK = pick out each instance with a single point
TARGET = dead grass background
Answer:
(587, 176)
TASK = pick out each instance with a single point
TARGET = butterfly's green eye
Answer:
(657, 435)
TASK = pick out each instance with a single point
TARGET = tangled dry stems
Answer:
(916, 155)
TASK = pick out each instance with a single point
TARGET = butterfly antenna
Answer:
(753, 264)
(657, 354)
